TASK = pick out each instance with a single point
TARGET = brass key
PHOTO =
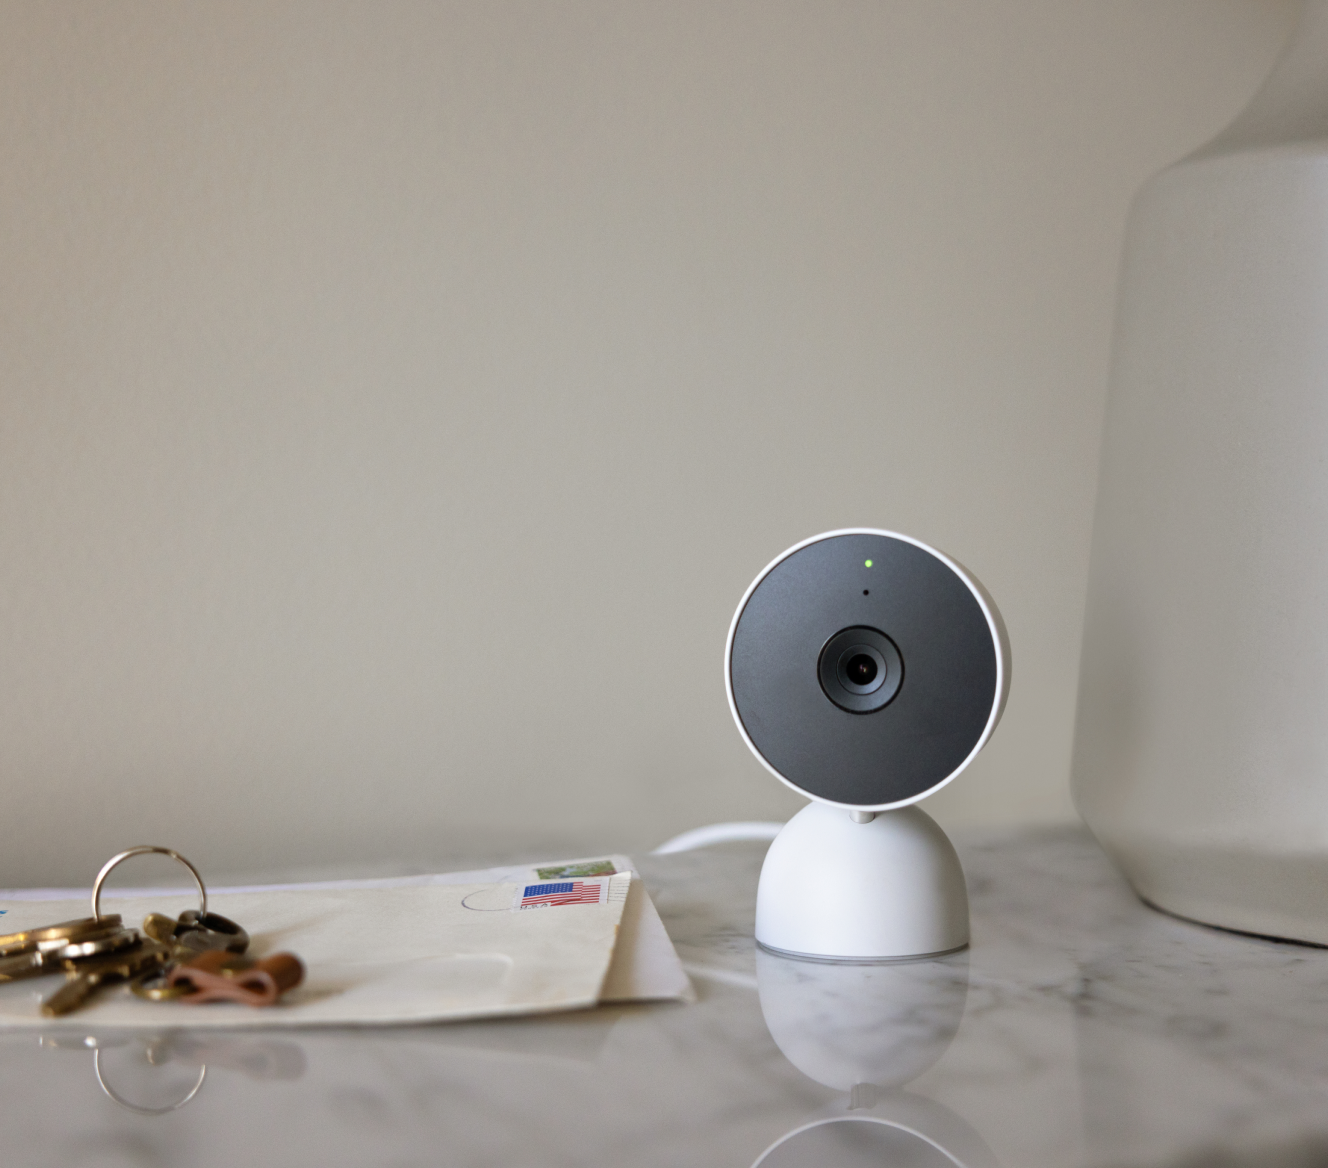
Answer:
(49, 956)
(15, 944)
(88, 975)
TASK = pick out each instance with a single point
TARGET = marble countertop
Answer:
(1080, 1029)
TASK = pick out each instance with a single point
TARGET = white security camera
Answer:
(865, 670)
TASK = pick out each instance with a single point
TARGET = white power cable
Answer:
(718, 833)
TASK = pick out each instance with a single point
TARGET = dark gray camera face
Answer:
(860, 670)
(863, 669)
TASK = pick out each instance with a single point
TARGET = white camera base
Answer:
(835, 888)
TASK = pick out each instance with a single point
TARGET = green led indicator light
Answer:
(866, 563)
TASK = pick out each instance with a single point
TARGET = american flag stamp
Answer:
(556, 893)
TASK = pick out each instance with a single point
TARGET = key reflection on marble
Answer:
(156, 1073)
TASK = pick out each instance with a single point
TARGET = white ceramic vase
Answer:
(1201, 751)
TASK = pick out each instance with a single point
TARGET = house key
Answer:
(86, 976)
(52, 936)
(48, 956)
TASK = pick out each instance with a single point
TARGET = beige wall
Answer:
(396, 398)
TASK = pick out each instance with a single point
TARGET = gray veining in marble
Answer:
(1081, 1030)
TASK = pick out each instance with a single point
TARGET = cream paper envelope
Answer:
(391, 953)
(645, 966)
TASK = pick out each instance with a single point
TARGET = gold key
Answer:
(25, 942)
(89, 975)
(95, 946)
(49, 956)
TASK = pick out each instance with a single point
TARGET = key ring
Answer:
(123, 1102)
(141, 850)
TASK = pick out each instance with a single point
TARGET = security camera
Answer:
(865, 670)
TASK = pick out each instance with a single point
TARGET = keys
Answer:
(207, 964)
(94, 951)
(48, 955)
(99, 950)
(189, 935)
(25, 942)
(89, 975)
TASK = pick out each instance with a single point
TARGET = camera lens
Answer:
(861, 669)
